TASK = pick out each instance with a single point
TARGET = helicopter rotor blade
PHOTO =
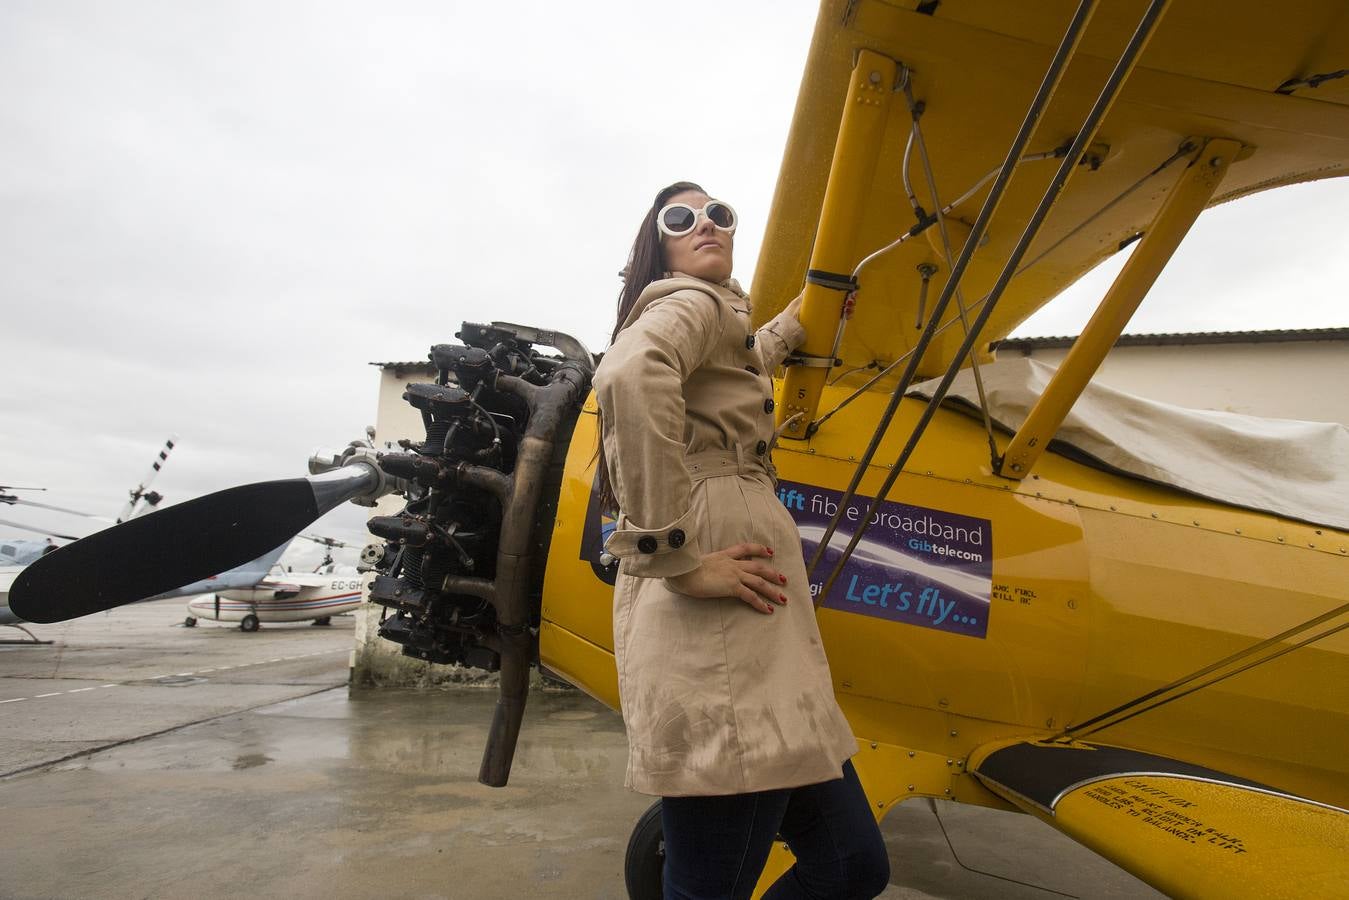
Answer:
(142, 490)
(325, 541)
(179, 545)
(64, 537)
(63, 509)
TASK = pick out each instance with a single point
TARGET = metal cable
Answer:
(1212, 681)
(1181, 152)
(1057, 65)
(932, 805)
(917, 134)
(1073, 730)
(1088, 129)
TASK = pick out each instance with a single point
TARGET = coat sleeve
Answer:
(639, 388)
(779, 337)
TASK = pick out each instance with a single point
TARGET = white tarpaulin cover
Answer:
(1295, 469)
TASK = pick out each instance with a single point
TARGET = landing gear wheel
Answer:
(644, 865)
(248, 623)
(325, 620)
(189, 622)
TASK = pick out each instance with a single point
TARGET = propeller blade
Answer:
(178, 545)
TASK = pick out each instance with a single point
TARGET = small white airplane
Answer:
(242, 579)
(279, 596)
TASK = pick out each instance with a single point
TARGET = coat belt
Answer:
(713, 463)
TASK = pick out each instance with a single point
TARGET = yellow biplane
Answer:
(1036, 594)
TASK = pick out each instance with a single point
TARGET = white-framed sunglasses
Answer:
(678, 219)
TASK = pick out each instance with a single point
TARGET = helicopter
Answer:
(1124, 620)
(16, 553)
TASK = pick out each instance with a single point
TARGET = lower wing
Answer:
(1188, 830)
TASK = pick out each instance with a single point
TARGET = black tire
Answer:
(644, 865)
(248, 623)
(189, 622)
(321, 621)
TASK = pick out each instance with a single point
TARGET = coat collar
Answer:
(728, 291)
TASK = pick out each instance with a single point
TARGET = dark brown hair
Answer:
(646, 263)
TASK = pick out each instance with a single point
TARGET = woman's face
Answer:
(705, 252)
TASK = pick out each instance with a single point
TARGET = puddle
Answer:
(251, 760)
(176, 680)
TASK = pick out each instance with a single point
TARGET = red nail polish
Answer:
(782, 579)
(770, 551)
(782, 597)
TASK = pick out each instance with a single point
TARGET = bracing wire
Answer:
(1067, 47)
(1087, 130)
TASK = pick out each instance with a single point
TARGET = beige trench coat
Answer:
(717, 698)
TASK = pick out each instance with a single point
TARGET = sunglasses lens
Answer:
(678, 219)
(720, 214)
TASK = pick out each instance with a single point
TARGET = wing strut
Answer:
(1182, 206)
(1184, 151)
(1084, 136)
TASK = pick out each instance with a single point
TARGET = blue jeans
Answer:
(716, 847)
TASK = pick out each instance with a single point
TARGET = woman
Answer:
(725, 689)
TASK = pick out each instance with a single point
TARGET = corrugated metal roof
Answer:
(413, 364)
(1270, 336)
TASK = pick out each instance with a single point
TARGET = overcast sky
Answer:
(214, 215)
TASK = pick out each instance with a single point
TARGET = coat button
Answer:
(768, 405)
(647, 544)
(677, 538)
(749, 342)
(761, 448)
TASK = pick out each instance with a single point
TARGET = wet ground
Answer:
(142, 759)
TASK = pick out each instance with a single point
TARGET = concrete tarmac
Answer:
(140, 759)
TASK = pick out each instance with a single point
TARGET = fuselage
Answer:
(333, 597)
(1018, 609)
(7, 576)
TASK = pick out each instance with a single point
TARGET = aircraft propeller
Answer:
(184, 543)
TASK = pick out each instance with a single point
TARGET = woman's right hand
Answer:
(738, 571)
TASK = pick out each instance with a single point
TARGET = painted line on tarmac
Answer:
(90, 751)
(153, 678)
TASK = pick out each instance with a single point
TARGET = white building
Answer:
(1286, 374)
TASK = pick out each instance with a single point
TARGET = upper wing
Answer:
(1187, 830)
(1241, 69)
